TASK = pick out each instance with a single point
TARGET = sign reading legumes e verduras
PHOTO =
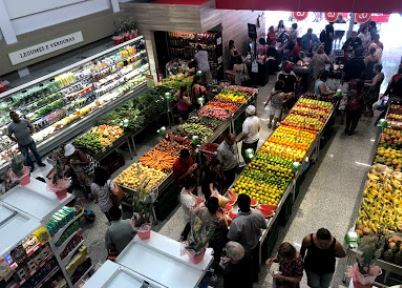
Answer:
(44, 48)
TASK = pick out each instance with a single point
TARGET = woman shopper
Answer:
(370, 61)
(240, 71)
(354, 107)
(274, 103)
(183, 103)
(319, 262)
(233, 53)
(320, 59)
(188, 202)
(373, 91)
(290, 267)
(320, 88)
(271, 37)
(101, 190)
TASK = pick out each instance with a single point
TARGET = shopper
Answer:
(202, 58)
(293, 33)
(271, 37)
(250, 132)
(119, 233)
(352, 44)
(101, 189)
(246, 229)
(309, 42)
(198, 89)
(339, 33)
(274, 103)
(280, 29)
(320, 88)
(288, 76)
(183, 103)
(227, 157)
(319, 61)
(240, 71)
(373, 89)
(233, 53)
(20, 131)
(290, 266)
(184, 167)
(327, 37)
(211, 222)
(237, 271)
(355, 67)
(370, 60)
(212, 178)
(354, 106)
(364, 35)
(188, 201)
(322, 250)
(78, 164)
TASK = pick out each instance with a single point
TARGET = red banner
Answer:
(331, 16)
(362, 17)
(359, 6)
(299, 15)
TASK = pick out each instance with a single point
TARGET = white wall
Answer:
(23, 16)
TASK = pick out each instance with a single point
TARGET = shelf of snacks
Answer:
(67, 102)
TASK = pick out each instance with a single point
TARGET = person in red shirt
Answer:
(271, 37)
(184, 166)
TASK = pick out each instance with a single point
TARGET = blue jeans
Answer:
(25, 151)
(315, 280)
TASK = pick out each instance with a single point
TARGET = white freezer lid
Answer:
(160, 259)
(112, 275)
(35, 199)
(14, 227)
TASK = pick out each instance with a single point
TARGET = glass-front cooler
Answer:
(63, 104)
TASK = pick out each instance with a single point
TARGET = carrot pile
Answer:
(171, 147)
(158, 160)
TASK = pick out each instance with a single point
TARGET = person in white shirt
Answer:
(203, 63)
(188, 201)
(250, 132)
(227, 158)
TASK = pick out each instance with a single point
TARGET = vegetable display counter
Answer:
(67, 102)
(152, 175)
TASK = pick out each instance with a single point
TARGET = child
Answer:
(275, 101)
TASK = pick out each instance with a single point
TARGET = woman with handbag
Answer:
(102, 190)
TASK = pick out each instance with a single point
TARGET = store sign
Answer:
(362, 17)
(331, 16)
(299, 16)
(44, 48)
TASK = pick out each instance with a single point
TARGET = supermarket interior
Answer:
(200, 143)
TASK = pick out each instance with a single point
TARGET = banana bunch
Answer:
(381, 208)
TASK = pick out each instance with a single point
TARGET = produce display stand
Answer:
(65, 103)
(41, 204)
(392, 272)
(167, 186)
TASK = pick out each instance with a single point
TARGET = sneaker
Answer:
(41, 164)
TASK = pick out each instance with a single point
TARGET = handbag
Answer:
(254, 67)
(90, 168)
(116, 194)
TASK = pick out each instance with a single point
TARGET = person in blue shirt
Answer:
(309, 41)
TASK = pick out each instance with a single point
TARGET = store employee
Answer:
(20, 131)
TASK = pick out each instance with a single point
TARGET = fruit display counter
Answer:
(67, 102)
(380, 213)
(155, 166)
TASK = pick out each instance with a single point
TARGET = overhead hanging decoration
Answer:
(300, 15)
(363, 17)
(331, 16)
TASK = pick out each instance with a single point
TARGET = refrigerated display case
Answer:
(67, 102)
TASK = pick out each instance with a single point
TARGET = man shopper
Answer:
(20, 131)
(184, 166)
(227, 158)
(201, 56)
(250, 132)
(246, 229)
